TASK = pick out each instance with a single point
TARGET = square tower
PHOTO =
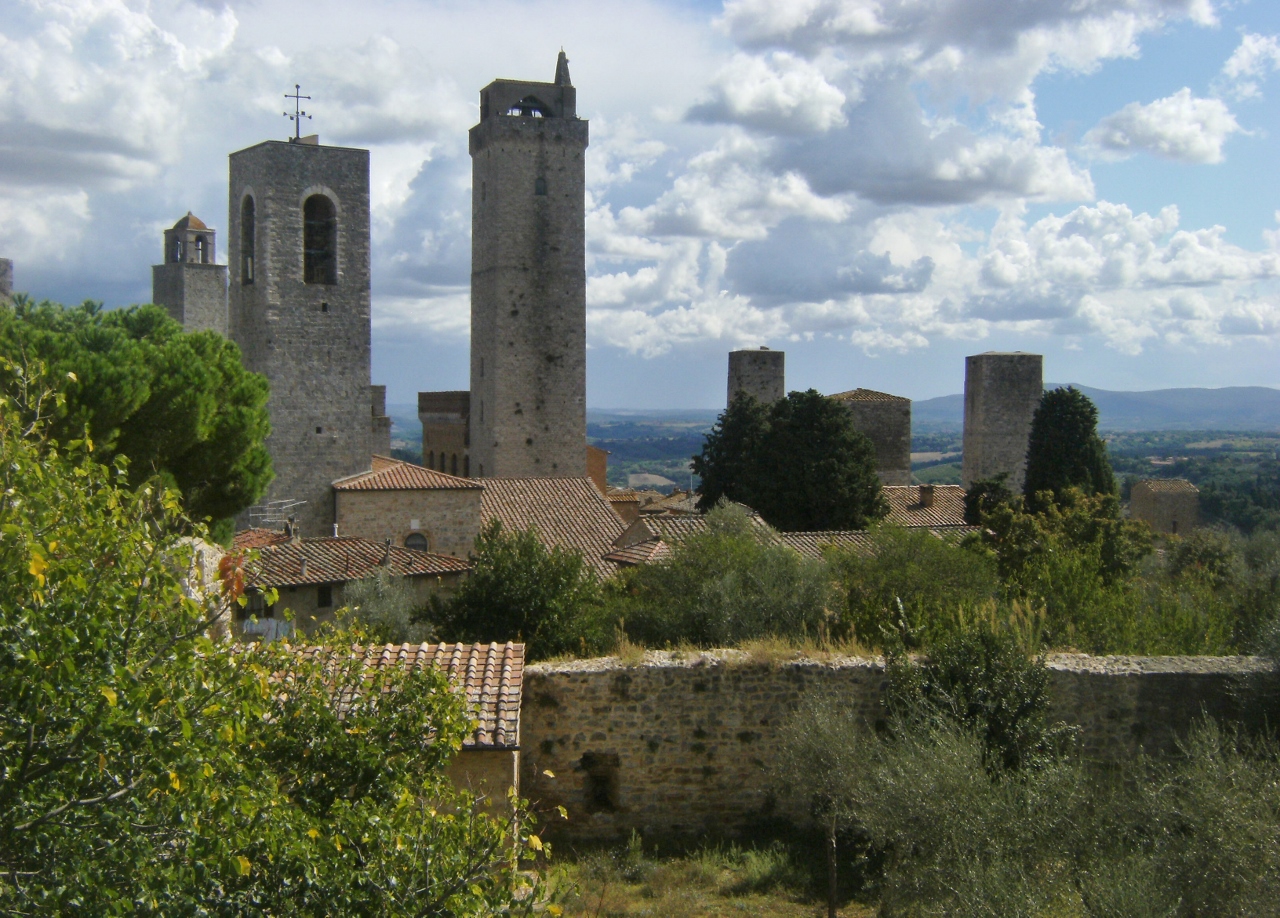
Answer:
(298, 244)
(189, 282)
(1001, 394)
(528, 281)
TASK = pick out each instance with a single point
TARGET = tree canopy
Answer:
(150, 769)
(1064, 450)
(179, 405)
(799, 462)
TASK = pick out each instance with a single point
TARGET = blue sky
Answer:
(879, 187)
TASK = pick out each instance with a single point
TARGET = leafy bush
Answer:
(519, 590)
(384, 608)
(733, 583)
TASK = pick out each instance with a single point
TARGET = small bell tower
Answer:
(189, 282)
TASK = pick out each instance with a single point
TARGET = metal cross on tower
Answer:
(298, 113)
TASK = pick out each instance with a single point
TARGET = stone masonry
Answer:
(309, 335)
(682, 744)
(445, 439)
(1001, 395)
(448, 518)
(1170, 506)
(528, 281)
(189, 282)
(886, 421)
(6, 277)
(380, 445)
(760, 373)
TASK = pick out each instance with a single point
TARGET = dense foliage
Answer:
(178, 405)
(146, 768)
(1064, 449)
(798, 462)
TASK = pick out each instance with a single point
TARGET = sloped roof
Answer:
(905, 508)
(567, 512)
(256, 538)
(339, 559)
(677, 503)
(395, 475)
(190, 222)
(622, 496)
(1168, 485)
(645, 552)
(491, 676)
(867, 395)
(812, 544)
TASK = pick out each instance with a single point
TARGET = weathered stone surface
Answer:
(450, 519)
(1001, 395)
(761, 373)
(683, 743)
(6, 277)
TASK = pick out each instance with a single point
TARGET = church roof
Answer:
(190, 222)
(395, 475)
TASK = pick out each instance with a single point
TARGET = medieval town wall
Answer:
(682, 743)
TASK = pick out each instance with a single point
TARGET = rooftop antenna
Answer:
(298, 113)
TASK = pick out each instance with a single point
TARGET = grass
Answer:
(708, 881)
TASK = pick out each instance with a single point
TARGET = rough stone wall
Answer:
(486, 771)
(450, 519)
(311, 341)
(1001, 395)
(380, 430)
(304, 600)
(1167, 512)
(195, 294)
(682, 744)
(760, 373)
(6, 277)
(528, 287)
(887, 424)
(444, 417)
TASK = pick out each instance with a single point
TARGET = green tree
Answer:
(147, 769)
(1064, 450)
(178, 405)
(383, 606)
(732, 583)
(984, 495)
(520, 590)
(800, 463)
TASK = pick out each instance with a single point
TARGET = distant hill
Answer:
(1229, 408)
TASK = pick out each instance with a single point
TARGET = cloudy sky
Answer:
(879, 187)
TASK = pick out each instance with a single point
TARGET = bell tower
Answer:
(189, 282)
(528, 281)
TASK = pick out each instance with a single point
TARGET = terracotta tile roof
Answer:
(567, 512)
(812, 544)
(491, 675)
(867, 395)
(256, 538)
(339, 559)
(677, 503)
(1169, 485)
(645, 552)
(905, 508)
(622, 496)
(395, 475)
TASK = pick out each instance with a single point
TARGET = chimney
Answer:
(302, 566)
(926, 495)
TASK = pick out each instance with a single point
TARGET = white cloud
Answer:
(778, 92)
(1179, 127)
(1254, 58)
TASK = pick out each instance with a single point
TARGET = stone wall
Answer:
(1001, 395)
(194, 294)
(449, 518)
(759, 373)
(682, 743)
(886, 421)
(445, 443)
(1171, 512)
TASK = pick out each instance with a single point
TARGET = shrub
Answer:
(383, 607)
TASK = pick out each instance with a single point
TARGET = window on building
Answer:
(417, 541)
(319, 241)
(466, 466)
(453, 465)
(256, 607)
(202, 256)
(247, 230)
(177, 251)
(324, 596)
(431, 459)
(540, 186)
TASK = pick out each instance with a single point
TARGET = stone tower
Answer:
(885, 420)
(528, 281)
(189, 282)
(760, 373)
(1001, 395)
(445, 444)
(6, 277)
(298, 241)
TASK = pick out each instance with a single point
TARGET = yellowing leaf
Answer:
(102, 762)
(548, 772)
(535, 843)
(208, 770)
(564, 814)
(243, 865)
(313, 833)
(555, 911)
(37, 567)
(109, 694)
(227, 733)
(174, 781)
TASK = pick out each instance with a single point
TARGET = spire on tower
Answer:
(562, 70)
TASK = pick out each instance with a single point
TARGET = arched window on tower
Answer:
(177, 249)
(202, 256)
(417, 541)
(540, 186)
(319, 241)
(431, 459)
(247, 230)
(453, 465)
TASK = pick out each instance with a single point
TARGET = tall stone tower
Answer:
(298, 240)
(189, 282)
(6, 277)
(1001, 395)
(528, 281)
(760, 373)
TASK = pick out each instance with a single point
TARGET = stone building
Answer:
(760, 373)
(1171, 506)
(6, 277)
(298, 238)
(886, 421)
(528, 281)
(189, 282)
(380, 444)
(445, 440)
(1001, 394)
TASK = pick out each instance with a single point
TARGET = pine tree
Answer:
(1064, 450)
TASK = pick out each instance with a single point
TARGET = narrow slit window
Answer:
(246, 241)
(540, 186)
(320, 241)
